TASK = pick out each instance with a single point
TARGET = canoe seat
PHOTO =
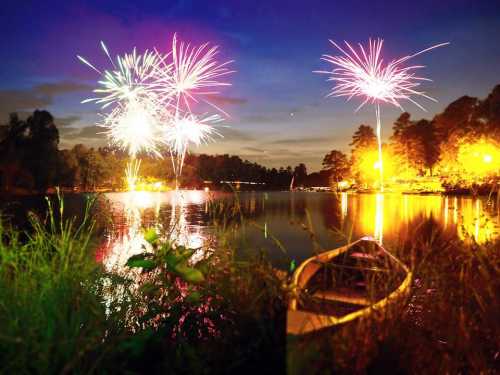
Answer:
(351, 297)
(301, 322)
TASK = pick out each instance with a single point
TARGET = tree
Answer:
(363, 138)
(12, 154)
(364, 143)
(42, 153)
(337, 165)
(31, 146)
(428, 142)
(402, 145)
(456, 118)
(67, 169)
(300, 173)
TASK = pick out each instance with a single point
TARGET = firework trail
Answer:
(189, 129)
(185, 74)
(363, 73)
(136, 110)
(148, 98)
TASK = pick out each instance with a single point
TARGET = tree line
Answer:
(31, 159)
(442, 147)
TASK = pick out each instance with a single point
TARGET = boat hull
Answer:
(313, 308)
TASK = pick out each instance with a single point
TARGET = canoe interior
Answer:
(338, 283)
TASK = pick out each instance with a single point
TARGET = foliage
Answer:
(60, 312)
(30, 146)
(337, 165)
(52, 309)
(448, 325)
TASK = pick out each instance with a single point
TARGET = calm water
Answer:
(290, 217)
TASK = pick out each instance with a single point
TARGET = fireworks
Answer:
(189, 129)
(136, 110)
(186, 72)
(134, 126)
(132, 174)
(147, 99)
(363, 73)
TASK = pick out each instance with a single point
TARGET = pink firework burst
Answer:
(364, 73)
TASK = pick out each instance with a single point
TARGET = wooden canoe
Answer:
(338, 286)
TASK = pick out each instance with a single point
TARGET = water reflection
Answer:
(134, 212)
(391, 215)
(336, 219)
(294, 218)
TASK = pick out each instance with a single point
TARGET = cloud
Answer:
(65, 122)
(39, 96)
(58, 88)
(219, 100)
(88, 132)
(257, 119)
(16, 100)
(303, 141)
(277, 117)
(254, 149)
(231, 134)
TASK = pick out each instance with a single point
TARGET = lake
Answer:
(292, 218)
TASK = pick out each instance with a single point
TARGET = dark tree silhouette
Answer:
(41, 155)
(300, 173)
(363, 138)
(337, 165)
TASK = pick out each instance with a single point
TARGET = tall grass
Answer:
(59, 311)
(52, 315)
(449, 324)
(57, 314)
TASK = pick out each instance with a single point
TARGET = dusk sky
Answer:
(279, 112)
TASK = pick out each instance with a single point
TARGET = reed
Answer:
(57, 314)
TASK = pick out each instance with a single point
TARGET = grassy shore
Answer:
(61, 312)
(448, 325)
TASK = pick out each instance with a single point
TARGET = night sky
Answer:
(279, 113)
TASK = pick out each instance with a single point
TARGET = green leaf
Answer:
(146, 264)
(203, 266)
(149, 288)
(189, 274)
(151, 236)
(173, 260)
(194, 297)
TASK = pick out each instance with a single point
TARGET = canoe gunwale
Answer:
(326, 321)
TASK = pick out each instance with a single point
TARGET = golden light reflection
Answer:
(446, 209)
(476, 222)
(378, 233)
(181, 231)
(455, 210)
(390, 215)
(343, 205)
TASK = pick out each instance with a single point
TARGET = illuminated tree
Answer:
(363, 138)
(337, 165)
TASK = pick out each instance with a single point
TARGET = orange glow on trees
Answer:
(471, 161)
(480, 159)
(367, 166)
